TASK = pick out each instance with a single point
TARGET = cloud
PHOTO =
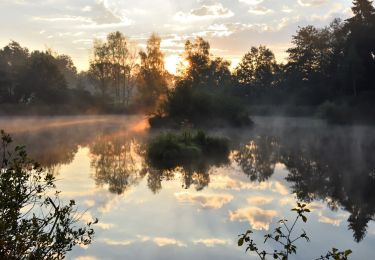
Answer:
(286, 9)
(228, 183)
(251, 2)
(327, 220)
(117, 242)
(336, 10)
(280, 188)
(259, 200)
(260, 10)
(163, 241)
(101, 14)
(258, 218)
(206, 12)
(64, 18)
(335, 221)
(87, 217)
(227, 29)
(85, 258)
(311, 2)
(97, 16)
(211, 242)
(206, 201)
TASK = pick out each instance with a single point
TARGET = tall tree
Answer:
(100, 67)
(152, 75)
(197, 58)
(68, 69)
(41, 81)
(360, 48)
(13, 59)
(113, 65)
(363, 11)
(257, 68)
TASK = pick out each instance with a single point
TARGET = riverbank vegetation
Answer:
(285, 241)
(34, 222)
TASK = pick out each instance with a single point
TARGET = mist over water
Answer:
(187, 213)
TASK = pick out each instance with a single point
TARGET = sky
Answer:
(231, 26)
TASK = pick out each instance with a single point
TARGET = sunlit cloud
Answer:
(334, 221)
(65, 18)
(225, 182)
(112, 242)
(286, 9)
(311, 2)
(251, 2)
(206, 201)
(89, 203)
(327, 220)
(211, 242)
(86, 258)
(163, 241)
(258, 218)
(259, 200)
(260, 10)
(206, 12)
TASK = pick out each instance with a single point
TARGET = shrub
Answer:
(33, 223)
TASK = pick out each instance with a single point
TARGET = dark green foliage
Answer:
(169, 151)
(284, 237)
(201, 107)
(33, 223)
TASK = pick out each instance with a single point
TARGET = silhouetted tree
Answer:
(13, 59)
(34, 223)
(112, 67)
(257, 68)
(41, 81)
(153, 78)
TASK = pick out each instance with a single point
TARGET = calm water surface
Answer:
(197, 212)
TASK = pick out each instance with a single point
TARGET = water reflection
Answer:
(116, 162)
(331, 166)
(258, 157)
(336, 166)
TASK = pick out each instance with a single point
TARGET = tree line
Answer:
(329, 71)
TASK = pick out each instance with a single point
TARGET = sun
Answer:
(171, 63)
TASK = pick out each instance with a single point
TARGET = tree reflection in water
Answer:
(119, 163)
(337, 168)
(116, 162)
(192, 174)
(258, 157)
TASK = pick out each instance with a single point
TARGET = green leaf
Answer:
(304, 218)
(240, 241)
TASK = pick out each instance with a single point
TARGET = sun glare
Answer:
(171, 63)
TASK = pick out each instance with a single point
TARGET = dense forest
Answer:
(329, 73)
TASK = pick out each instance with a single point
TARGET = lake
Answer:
(198, 212)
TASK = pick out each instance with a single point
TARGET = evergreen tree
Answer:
(363, 11)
